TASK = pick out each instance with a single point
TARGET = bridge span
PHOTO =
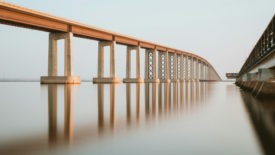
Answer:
(174, 65)
(257, 75)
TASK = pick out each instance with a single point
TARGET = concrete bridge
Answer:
(174, 65)
(257, 75)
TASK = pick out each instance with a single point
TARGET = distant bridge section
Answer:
(258, 72)
(232, 75)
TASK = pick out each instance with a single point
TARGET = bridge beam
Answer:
(128, 78)
(52, 60)
(100, 70)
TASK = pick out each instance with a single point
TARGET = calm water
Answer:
(189, 118)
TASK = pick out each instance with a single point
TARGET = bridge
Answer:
(174, 65)
(257, 74)
(231, 75)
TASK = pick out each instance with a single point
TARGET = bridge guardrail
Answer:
(264, 47)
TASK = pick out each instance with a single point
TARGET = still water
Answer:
(187, 118)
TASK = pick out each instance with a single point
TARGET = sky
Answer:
(222, 31)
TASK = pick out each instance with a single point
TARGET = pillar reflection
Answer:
(202, 92)
(197, 85)
(52, 113)
(182, 95)
(175, 96)
(147, 100)
(112, 106)
(167, 98)
(150, 103)
(164, 99)
(100, 105)
(100, 95)
(160, 101)
(138, 102)
(191, 92)
(68, 113)
(154, 99)
(129, 102)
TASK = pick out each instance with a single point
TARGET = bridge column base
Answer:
(133, 80)
(174, 81)
(191, 80)
(106, 80)
(151, 80)
(182, 80)
(165, 80)
(60, 80)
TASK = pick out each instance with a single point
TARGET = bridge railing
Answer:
(264, 47)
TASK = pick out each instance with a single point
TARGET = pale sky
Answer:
(222, 31)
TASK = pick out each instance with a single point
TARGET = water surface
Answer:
(187, 118)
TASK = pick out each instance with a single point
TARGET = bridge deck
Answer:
(23, 17)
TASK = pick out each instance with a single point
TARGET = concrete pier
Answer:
(201, 71)
(150, 66)
(186, 68)
(173, 67)
(181, 79)
(261, 83)
(128, 78)
(52, 60)
(191, 69)
(197, 70)
(100, 70)
(163, 67)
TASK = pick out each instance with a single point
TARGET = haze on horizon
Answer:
(222, 31)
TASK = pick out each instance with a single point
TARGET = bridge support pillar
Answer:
(191, 69)
(197, 70)
(163, 67)
(100, 70)
(260, 83)
(207, 73)
(150, 66)
(181, 68)
(128, 78)
(201, 71)
(266, 74)
(52, 60)
(186, 68)
(173, 67)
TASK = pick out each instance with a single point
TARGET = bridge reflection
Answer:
(68, 113)
(262, 116)
(160, 100)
